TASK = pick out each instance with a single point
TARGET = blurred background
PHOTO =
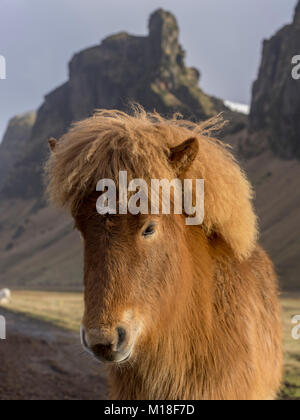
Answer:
(66, 58)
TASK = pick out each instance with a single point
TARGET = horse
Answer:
(175, 312)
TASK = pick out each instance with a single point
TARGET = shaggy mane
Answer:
(110, 141)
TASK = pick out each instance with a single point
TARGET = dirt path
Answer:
(41, 361)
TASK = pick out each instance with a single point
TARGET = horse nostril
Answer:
(121, 337)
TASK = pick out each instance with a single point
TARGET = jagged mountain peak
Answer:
(14, 143)
(274, 118)
(122, 69)
(164, 24)
(297, 14)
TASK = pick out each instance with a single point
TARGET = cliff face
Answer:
(122, 69)
(274, 119)
(149, 70)
(14, 143)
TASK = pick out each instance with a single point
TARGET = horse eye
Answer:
(150, 230)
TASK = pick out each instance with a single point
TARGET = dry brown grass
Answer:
(290, 308)
(61, 309)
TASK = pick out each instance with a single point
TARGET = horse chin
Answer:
(117, 361)
(125, 360)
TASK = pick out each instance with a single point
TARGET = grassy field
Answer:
(62, 309)
(290, 308)
(65, 310)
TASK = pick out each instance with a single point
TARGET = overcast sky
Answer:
(222, 38)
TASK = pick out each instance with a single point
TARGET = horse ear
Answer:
(182, 156)
(52, 144)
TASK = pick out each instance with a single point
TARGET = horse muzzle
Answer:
(107, 345)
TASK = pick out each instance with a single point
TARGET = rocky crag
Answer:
(149, 70)
(13, 146)
(274, 121)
